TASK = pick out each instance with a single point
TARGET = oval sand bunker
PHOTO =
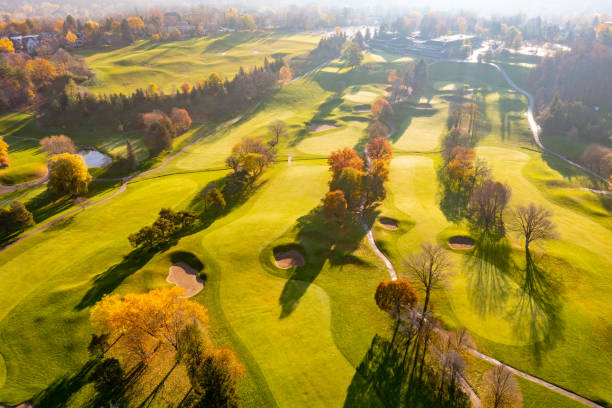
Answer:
(186, 277)
(320, 127)
(461, 242)
(389, 223)
(288, 259)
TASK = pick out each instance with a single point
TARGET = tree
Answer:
(175, 35)
(6, 45)
(381, 109)
(215, 379)
(191, 346)
(3, 147)
(58, 144)
(70, 37)
(429, 268)
(335, 207)
(501, 389)
(166, 224)
(214, 199)
(461, 168)
(252, 156)
(181, 120)
(68, 174)
(533, 223)
(487, 204)
(342, 158)
(379, 149)
(391, 295)
(377, 129)
(41, 72)
(143, 322)
(158, 136)
(15, 218)
(372, 188)
(349, 182)
(277, 129)
(186, 88)
(353, 55)
(284, 74)
(131, 155)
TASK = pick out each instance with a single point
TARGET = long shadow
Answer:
(538, 312)
(378, 379)
(323, 111)
(408, 113)
(487, 271)
(321, 242)
(58, 394)
(109, 280)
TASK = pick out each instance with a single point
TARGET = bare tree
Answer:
(501, 389)
(429, 267)
(58, 144)
(277, 129)
(533, 223)
(488, 202)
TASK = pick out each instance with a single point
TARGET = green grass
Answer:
(170, 64)
(301, 333)
(26, 162)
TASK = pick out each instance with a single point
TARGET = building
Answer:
(26, 43)
(442, 47)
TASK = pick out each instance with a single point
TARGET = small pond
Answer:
(94, 158)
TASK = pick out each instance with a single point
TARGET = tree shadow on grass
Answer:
(378, 379)
(537, 315)
(58, 394)
(487, 271)
(322, 242)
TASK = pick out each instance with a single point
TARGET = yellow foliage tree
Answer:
(152, 89)
(6, 45)
(135, 23)
(41, 72)
(70, 37)
(68, 174)
(144, 322)
(3, 147)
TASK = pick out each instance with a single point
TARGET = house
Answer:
(173, 21)
(27, 43)
(441, 47)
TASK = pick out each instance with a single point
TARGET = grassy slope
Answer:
(575, 284)
(169, 64)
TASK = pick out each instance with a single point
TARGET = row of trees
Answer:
(163, 228)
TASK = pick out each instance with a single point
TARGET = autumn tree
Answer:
(353, 55)
(215, 379)
(167, 223)
(349, 182)
(70, 38)
(335, 207)
(58, 144)
(460, 168)
(185, 88)
(191, 345)
(277, 129)
(251, 156)
(3, 147)
(501, 389)
(68, 174)
(533, 223)
(342, 158)
(40, 71)
(142, 323)
(487, 204)
(15, 218)
(181, 120)
(379, 149)
(284, 75)
(381, 109)
(391, 295)
(6, 45)
(214, 199)
(428, 267)
(158, 136)
(373, 189)
(377, 129)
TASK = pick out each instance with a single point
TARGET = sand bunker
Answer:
(461, 242)
(388, 223)
(320, 127)
(288, 259)
(186, 277)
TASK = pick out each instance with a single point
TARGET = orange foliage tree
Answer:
(461, 167)
(70, 37)
(391, 295)
(181, 119)
(334, 206)
(343, 158)
(381, 108)
(143, 322)
(6, 45)
(41, 72)
(380, 149)
(284, 75)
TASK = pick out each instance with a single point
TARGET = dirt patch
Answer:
(320, 127)
(389, 223)
(186, 277)
(461, 242)
(289, 259)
